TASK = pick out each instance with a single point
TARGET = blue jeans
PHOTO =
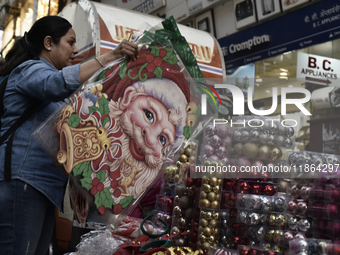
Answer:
(26, 219)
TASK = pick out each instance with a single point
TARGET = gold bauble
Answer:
(205, 203)
(205, 180)
(213, 223)
(250, 150)
(216, 189)
(269, 235)
(276, 153)
(203, 213)
(211, 239)
(211, 196)
(215, 205)
(206, 245)
(207, 231)
(264, 152)
(218, 196)
(187, 152)
(238, 149)
(203, 223)
(216, 215)
(202, 238)
(176, 178)
(271, 218)
(183, 158)
(203, 195)
(206, 188)
(216, 231)
(208, 215)
(192, 159)
(219, 181)
(213, 181)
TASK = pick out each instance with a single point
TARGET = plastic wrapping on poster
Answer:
(114, 133)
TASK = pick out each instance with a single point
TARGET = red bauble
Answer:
(235, 228)
(234, 186)
(336, 195)
(227, 184)
(232, 214)
(333, 249)
(189, 182)
(198, 182)
(256, 189)
(244, 187)
(269, 190)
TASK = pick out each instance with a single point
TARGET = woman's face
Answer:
(64, 53)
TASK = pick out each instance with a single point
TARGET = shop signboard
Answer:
(313, 24)
(317, 69)
(145, 6)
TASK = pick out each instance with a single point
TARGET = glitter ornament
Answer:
(269, 235)
(295, 191)
(288, 143)
(256, 188)
(279, 204)
(292, 223)
(271, 140)
(210, 130)
(279, 141)
(280, 220)
(245, 135)
(276, 153)
(267, 204)
(215, 141)
(222, 152)
(254, 135)
(253, 218)
(289, 131)
(243, 217)
(254, 203)
(301, 208)
(302, 245)
(287, 236)
(237, 135)
(226, 142)
(271, 219)
(303, 225)
(304, 192)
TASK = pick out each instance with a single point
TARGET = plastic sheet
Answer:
(104, 131)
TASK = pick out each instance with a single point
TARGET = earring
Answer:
(48, 48)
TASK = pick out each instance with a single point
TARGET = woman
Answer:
(41, 68)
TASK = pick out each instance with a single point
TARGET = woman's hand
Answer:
(126, 48)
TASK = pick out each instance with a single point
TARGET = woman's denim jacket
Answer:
(36, 80)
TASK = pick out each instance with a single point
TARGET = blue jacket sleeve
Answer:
(41, 80)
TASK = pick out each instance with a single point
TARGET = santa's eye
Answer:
(149, 115)
(162, 139)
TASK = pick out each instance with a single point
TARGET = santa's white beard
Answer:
(150, 169)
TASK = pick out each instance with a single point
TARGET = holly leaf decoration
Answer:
(74, 120)
(104, 198)
(93, 109)
(101, 175)
(171, 58)
(102, 75)
(187, 132)
(104, 106)
(155, 51)
(80, 168)
(122, 69)
(158, 72)
(125, 202)
(86, 182)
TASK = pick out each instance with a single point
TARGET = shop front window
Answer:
(47, 7)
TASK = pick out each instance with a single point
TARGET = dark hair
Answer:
(32, 43)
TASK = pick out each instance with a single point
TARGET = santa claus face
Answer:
(151, 116)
